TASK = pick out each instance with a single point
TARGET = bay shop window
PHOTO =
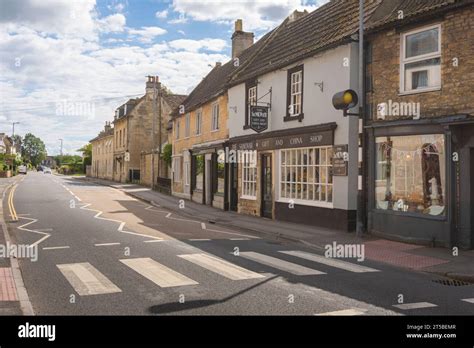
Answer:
(411, 174)
(306, 175)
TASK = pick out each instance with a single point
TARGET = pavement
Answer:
(102, 251)
(440, 261)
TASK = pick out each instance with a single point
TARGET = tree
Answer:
(86, 154)
(167, 154)
(33, 149)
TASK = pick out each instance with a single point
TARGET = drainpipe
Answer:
(361, 191)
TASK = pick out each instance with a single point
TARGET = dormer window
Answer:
(294, 103)
(421, 60)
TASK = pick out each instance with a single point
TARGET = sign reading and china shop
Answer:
(321, 138)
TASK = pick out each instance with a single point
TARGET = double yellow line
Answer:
(10, 203)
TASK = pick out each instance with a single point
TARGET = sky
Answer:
(66, 65)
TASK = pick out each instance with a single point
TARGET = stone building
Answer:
(420, 122)
(133, 136)
(200, 130)
(103, 154)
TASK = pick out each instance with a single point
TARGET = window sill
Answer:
(420, 91)
(289, 118)
(246, 127)
(410, 214)
(249, 198)
(308, 203)
(215, 130)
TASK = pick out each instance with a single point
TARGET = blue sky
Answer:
(67, 64)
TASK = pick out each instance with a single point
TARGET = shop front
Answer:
(289, 175)
(208, 174)
(421, 181)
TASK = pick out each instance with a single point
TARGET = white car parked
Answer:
(22, 170)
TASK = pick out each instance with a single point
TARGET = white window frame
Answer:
(177, 173)
(215, 117)
(294, 95)
(176, 131)
(198, 122)
(187, 125)
(328, 165)
(186, 172)
(248, 164)
(252, 97)
(404, 61)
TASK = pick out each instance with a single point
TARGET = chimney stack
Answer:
(241, 40)
(150, 84)
(296, 15)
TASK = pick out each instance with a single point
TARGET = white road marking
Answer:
(198, 239)
(221, 267)
(203, 225)
(351, 311)
(470, 300)
(416, 305)
(280, 264)
(153, 241)
(233, 233)
(106, 244)
(121, 226)
(158, 273)
(32, 221)
(331, 262)
(168, 215)
(57, 247)
(87, 280)
(239, 239)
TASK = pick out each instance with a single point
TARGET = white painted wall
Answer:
(328, 68)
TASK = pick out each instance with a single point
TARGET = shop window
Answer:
(199, 172)
(306, 175)
(220, 173)
(421, 60)
(249, 174)
(411, 174)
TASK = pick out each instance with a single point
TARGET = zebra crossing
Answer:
(87, 280)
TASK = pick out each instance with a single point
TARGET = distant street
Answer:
(104, 252)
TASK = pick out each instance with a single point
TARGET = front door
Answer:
(234, 180)
(267, 198)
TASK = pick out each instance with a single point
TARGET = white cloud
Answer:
(215, 45)
(147, 34)
(161, 14)
(181, 32)
(112, 23)
(256, 14)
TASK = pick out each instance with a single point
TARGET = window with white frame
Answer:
(249, 174)
(421, 60)
(187, 125)
(305, 175)
(198, 121)
(186, 173)
(176, 132)
(215, 116)
(177, 169)
(252, 97)
(295, 92)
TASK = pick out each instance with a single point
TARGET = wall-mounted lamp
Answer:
(320, 85)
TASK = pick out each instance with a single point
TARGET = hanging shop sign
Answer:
(259, 118)
(340, 159)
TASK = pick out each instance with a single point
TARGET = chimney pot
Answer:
(238, 25)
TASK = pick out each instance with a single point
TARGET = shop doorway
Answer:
(234, 181)
(267, 198)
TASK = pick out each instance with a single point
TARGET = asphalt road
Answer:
(103, 252)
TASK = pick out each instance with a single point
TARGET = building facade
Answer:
(420, 124)
(103, 154)
(200, 131)
(304, 166)
(133, 135)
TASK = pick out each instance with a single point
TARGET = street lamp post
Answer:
(61, 150)
(13, 130)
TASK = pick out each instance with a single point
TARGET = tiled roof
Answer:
(103, 134)
(329, 25)
(174, 100)
(388, 12)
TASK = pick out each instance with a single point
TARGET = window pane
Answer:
(412, 179)
(422, 74)
(422, 43)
